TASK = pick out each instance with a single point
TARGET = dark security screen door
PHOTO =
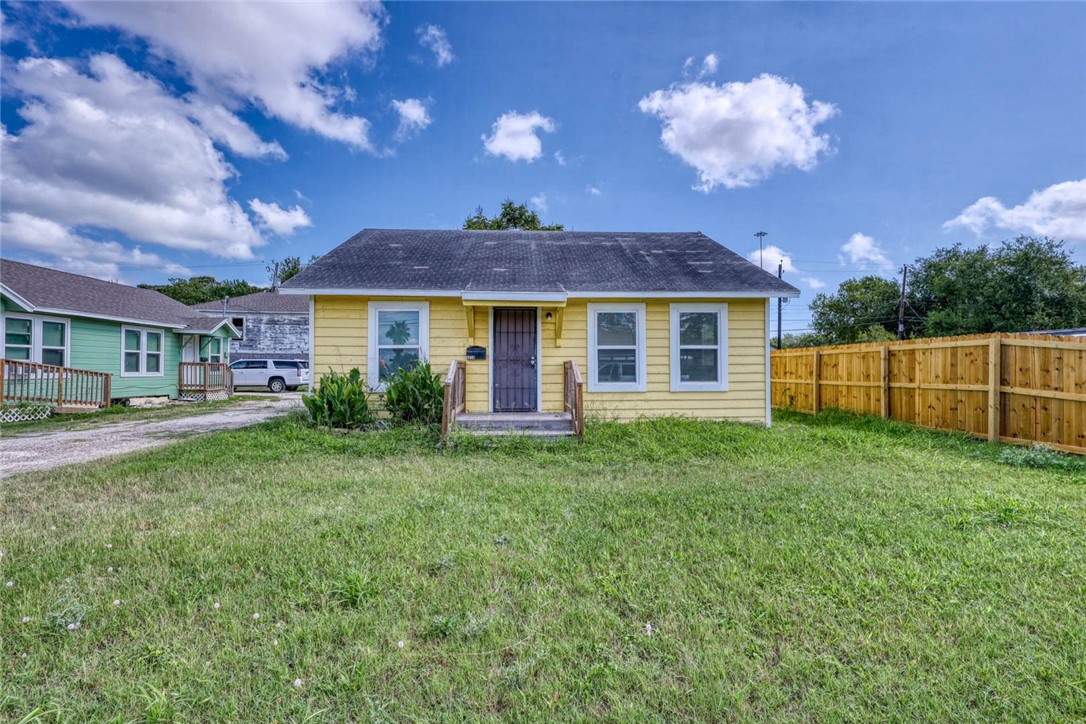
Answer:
(514, 360)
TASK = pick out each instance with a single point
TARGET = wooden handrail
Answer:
(22, 381)
(573, 389)
(455, 395)
(205, 377)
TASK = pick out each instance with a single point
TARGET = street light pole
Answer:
(761, 235)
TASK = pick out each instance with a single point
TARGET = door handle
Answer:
(531, 361)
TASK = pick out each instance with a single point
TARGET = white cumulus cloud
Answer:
(539, 202)
(278, 220)
(863, 249)
(560, 158)
(414, 117)
(434, 38)
(271, 54)
(738, 134)
(71, 252)
(516, 136)
(1058, 211)
(593, 190)
(769, 256)
(113, 149)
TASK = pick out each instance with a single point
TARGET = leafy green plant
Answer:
(415, 394)
(1040, 457)
(340, 400)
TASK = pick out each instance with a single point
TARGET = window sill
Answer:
(604, 387)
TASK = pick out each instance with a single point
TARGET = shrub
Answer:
(415, 394)
(340, 400)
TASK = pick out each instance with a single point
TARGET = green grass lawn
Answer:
(830, 568)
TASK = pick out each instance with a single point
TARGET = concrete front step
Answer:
(549, 424)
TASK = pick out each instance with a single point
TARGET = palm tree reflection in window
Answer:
(395, 350)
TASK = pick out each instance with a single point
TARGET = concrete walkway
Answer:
(23, 452)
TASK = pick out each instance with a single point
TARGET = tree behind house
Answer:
(203, 289)
(512, 216)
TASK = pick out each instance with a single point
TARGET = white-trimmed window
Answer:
(214, 350)
(141, 352)
(699, 347)
(616, 347)
(399, 336)
(43, 340)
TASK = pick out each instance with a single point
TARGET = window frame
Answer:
(36, 336)
(143, 351)
(594, 385)
(677, 383)
(373, 349)
(239, 327)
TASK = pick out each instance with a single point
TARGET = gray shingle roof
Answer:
(63, 292)
(266, 302)
(536, 261)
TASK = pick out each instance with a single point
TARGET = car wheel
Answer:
(277, 385)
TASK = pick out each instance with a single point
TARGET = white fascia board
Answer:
(338, 292)
(16, 298)
(540, 296)
(109, 318)
(723, 294)
(514, 296)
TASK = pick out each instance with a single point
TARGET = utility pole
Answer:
(761, 235)
(901, 304)
(275, 278)
(780, 305)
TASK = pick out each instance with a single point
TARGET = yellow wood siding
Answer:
(339, 343)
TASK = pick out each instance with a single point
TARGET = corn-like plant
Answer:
(340, 400)
(415, 394)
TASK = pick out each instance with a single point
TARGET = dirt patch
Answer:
(53, 448)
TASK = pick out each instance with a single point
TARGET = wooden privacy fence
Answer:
(1017, 388)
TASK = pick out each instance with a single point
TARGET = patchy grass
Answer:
(120, 413)
(830, 568)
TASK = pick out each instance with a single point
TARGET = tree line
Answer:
(1022, 284)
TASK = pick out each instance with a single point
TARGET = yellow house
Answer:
(527, 325)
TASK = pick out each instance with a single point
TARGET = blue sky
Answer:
(143, 141)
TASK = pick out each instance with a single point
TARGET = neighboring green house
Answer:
(148, 344)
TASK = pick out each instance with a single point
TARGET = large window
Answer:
(699, 347)
(399, 334)
(36, 339)
(141, 352)
(616, 347)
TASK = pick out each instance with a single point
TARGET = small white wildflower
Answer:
(256, 616)
(9, 584)
(26, 619)
(279, 625)
(52, 527)
(275, 642)
(216, 604)
(116, 602)
(109, 570)
(648, 629)
(24, 654)
(297, 682)
(109, 545)
(399, 644)
(71, 627)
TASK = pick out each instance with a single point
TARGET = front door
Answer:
(513, 351)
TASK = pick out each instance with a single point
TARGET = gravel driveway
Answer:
(23, 452)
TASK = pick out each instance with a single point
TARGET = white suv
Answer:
(275, 374)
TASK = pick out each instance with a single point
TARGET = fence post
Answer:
(816, 392)
(995, 355)
(884, 359)
(60, 387)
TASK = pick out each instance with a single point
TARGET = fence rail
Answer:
(1017, 388)
(64, 387)
(455, 395)
(573, 395)
(204, 378)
